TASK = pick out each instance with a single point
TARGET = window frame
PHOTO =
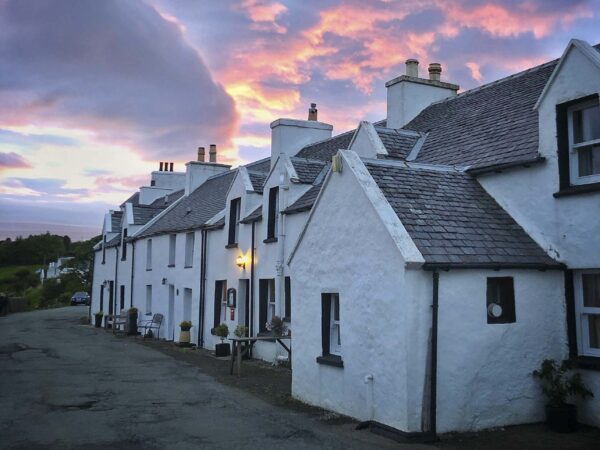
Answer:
(104, 249)
(581, 311)
(233, 234)
(273, 212)
(172, 249)
(149, 254)
(190, 242)
(509, 314)
(124, 245)
(574, 148)
(335, 326)
(149, 299)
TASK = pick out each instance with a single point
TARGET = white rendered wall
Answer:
(102, 272)
(169, 180)
(290, 135)
(196, 173)
(150, 193)
(484, 370)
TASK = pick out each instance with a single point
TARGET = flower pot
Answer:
(222, 349)
(562, 419)
(98, 321)
(184, 337)
(132, 325)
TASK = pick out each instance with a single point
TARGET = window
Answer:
(102, 297)
(124, 245)
(172, 243)
(234, 221)
(189, 249)
(587, 306)
(273, 213)
(331, 339)
(149, 254)
(104, 249)
(266, 310)
(288, 299)
(148, 299)
(187, 304)
(500, 300)
(584, 141)
(220, 302)
(122, 297)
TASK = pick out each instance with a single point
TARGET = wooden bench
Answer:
(153, 324)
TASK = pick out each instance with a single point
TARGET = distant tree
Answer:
(24, 279)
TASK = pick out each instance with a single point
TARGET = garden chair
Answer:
(153, 324)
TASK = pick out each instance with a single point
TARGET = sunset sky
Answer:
(94, 93)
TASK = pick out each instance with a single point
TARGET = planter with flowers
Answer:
(222, 349)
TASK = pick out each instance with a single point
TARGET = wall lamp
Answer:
(164, 281)
(241, 261)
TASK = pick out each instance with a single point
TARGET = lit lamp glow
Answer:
(241, 261)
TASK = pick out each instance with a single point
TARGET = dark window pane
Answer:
(591, 290)
(500, 300)
(589, 160)
(594, 328)
(586, 124)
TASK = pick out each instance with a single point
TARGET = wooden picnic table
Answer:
(237, 353)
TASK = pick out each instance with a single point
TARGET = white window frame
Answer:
(149, 254)
(190, 239)
(581, 313)
(148, 299)
(271, 300)
(172, 249)
(335, 343)
(574, 148)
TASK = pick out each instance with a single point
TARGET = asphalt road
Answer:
(69, 386)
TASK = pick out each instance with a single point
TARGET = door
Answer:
(122, 297)
(111, 298)
(171, 313)
(244, 303)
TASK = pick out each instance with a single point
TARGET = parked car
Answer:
(80, 298)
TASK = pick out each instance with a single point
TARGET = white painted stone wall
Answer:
(568, 226)
(150, 193)
(102, 272)
(288, 136)
(170, 180)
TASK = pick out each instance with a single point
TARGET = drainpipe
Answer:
(434, 348)
(116, 279)
(283, 190)
(132, 269)
(251, 312)
(204, 238)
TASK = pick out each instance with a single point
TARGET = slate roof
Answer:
(489, 125)
(398, 143)
(307, 169)
(254, 216)
(115, 220)
(114, 242)
(166, 200)
(324, 150)
(258, 180)
(134, 199)
(305, 202)
(262, 165)
(195, 209)
(453, 221)
(143, 214)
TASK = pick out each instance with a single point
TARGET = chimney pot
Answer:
(313, 112)
(435, 71)
(171, 168)
(201, 154)
(412, 68)
(160, 167)
(212, 153)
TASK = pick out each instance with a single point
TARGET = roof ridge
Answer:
(328, 139)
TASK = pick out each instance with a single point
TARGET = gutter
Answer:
(251, 312)
(494, 266)
(434, 347)
(204, 239)
(116, 280)
(499, 167)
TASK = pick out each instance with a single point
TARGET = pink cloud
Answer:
(12, 160)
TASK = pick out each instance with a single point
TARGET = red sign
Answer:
(232, 313)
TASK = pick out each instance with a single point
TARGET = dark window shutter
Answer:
(288, 298)
(562, 139)
(571, 320)
(325, 322)
(217, 310)
(263, 298)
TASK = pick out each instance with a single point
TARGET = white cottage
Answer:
(452, 250)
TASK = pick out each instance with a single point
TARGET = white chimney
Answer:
(197, 172)
(408, 95)
(289, 136)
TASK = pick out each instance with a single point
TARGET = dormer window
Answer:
(584, 142)
(234, 222)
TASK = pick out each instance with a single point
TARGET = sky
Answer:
(93, 93)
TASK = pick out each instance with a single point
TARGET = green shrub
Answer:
(185, 325)
(222, 331)
(558, 384)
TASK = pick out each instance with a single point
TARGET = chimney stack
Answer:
(212, 153)
(435, 71)
(312, 112)
(171, 168)
(201, 154)
(160, 167)
(412, 68)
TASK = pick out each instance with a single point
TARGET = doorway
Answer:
(244, 303)
(171, 313)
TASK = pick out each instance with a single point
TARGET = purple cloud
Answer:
(12, 160)
(117, 68)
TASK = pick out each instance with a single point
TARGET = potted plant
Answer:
(132, 316)
(98, 319)
(558, 384)
(184, 335)
(222, 349)
(277, 326)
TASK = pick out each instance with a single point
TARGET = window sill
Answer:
(577, 189)
(187, 267)
(331, 360)
(269, 240)
(148, 270)
(123, 259)
(586, 362)
(232, 245)
(171, 265)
